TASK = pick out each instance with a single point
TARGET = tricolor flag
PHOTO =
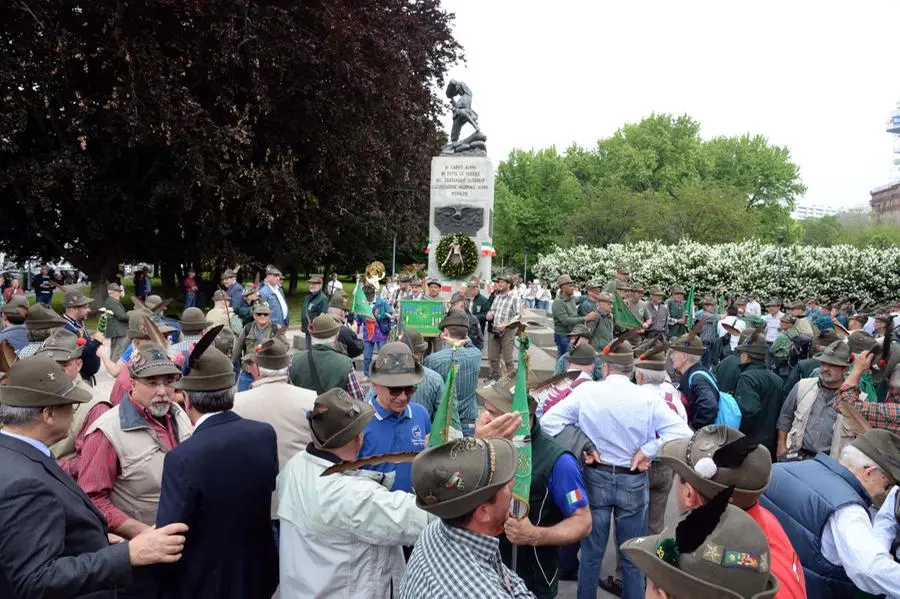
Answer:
(574, 496)
(446, 424)
(429, 247)
(487, 249)
(521, 488)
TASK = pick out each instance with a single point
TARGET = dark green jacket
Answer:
(721, 349)
(320, 369)
(758, 393)
(314, 304)
(603, 331)
(565, 315)
(117, 322)
(727, 373)
(676, 311)
(480, 307)
(542, 512)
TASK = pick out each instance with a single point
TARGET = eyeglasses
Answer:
(168, 382)
(395, 391)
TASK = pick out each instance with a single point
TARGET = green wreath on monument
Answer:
(456, 255)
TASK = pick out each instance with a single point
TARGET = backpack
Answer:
(800, 346)
(729, 411)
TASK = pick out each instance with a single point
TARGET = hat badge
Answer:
(51, 376)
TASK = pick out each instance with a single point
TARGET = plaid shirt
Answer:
(353, 387)
(29, 350)
(469, 359)
(450, 562)
(884, 415)
(506, 307)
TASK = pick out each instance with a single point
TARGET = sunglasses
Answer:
(395, 391)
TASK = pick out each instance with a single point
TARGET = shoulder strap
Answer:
(707, 376)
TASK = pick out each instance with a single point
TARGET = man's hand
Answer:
(158, 545)
(98, 336)
(682, 320)
(114, 539)
(103, 351)
(489, 315)
(522, 532)
(591, 316)
(863, 361)
(590, 457)
(646, 325)
(502, 426)
(640, 462)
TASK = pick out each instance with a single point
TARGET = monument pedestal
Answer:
(462, 201)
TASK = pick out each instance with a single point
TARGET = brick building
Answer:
(885, 201)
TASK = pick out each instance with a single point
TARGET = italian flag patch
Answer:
(573, 497)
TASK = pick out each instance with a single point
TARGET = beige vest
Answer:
(65, 449)
(141, 454)
(807, 392)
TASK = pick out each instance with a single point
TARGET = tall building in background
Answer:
(885, 200)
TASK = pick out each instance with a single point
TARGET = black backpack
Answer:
(800, 349)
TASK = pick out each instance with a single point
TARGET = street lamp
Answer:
(780, 241)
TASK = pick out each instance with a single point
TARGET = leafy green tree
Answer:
(609, 215)
(823, 231)
(764, 173)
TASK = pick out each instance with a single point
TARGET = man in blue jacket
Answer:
(270, 292)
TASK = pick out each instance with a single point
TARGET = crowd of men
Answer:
(225, 463)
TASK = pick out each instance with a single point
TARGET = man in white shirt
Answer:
(342, 534)
(627, 424)
(823, 506)
(753, 308)
(773, 320)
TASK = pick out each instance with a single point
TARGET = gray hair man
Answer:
(323, 366)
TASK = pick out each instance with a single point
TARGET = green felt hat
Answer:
(584, 355)
(40, 382)
(193, 320)
(580, 330)
(324, 326)
(271, 354)
(743, 465)
(207, 368)
(76, 299)
(883, 447)
(336, 418)
(836, 354)
(40, 318)
(455, 317)
(618, 351)
(396, 366)
(452, 479)
(62, 345)
(151, 360)
(414, 339)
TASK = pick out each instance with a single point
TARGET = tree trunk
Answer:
(292, 284)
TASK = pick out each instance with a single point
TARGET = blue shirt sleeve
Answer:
(567, 487)
(126, 355)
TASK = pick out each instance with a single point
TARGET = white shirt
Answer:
(669, 389)
(335, 284)
(619, 417)
(737, 323)
(885, 524)
(206, 417)
(753, 308)
(849, 540)
(773, 325)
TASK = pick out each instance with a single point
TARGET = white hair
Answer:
(19, 416)
(854, 459)
(327, 341)
(270, 372)
(651, 377)
(691, 358)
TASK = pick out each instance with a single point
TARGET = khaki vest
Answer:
(65, 449)
(807, 392)
(141, 454)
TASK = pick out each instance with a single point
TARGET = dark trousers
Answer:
(562, 344)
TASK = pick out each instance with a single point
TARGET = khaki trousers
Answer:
(501, 349)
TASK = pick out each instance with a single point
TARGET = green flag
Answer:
(689, 309)
(720, 304)
(361, 305)
(521, 488)
(622, 316)
(446, 416)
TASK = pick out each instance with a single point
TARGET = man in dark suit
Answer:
(54, 541)
(220, 482)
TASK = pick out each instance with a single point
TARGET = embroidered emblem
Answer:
(398, 361)
(430, 499)
(713, 553)
(417, 437)
(455, 482)
(462, 445)
(52, 376)
(742, 559)
(764, 562)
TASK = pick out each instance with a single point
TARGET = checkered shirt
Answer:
(187, 342)
(506, 307)
(450, 562)
(884, 415)
(469, 359)
(29, 350)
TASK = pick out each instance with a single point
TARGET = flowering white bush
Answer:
(870, 275)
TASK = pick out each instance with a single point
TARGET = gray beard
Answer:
(158, 410)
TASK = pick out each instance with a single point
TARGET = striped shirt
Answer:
(506, 307)
(450, 562)
(469, 359)
(29, 350)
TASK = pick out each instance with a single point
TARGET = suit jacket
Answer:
(479, 308)
(117, 323)
(269, 296)
(220, 483)
(54, 541)
(90, 361)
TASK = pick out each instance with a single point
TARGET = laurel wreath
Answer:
(468, 253)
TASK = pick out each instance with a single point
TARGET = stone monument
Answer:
(462, 200)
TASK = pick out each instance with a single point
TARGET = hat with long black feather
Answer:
(207, 369)
(690, 342)
(718, 457)
(619, 350)
(755, 346)
(716, 550)
(653, 358)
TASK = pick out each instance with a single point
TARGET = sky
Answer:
(818, 77)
